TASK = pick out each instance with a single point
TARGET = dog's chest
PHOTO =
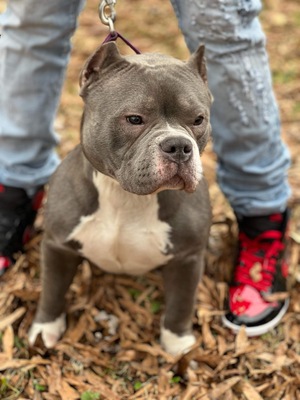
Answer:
(125, 234)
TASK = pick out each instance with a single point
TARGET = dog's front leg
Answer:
(180, 281)
(59, 266)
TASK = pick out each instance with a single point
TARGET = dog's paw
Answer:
(175, 344)
(50, 331)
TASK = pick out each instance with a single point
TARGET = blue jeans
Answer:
(34, 52)
(252, 160)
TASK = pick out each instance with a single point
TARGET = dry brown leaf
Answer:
(276, 296)
(27, 294)
(263, 387)
(222, 387)
(222, 289)
(249, 349)
(8, 342)
(22, 363)
(10, 319)
(189, 392)
(127, 355)
(3, 358)
(293, 332)
(99, 385)
(249, 391)
(241, 341)
(48, 396)
(54, 378)
(228, 395)
(268, 357)
(155, 350)
(137, 310)
(76, 333)
(222, 345)
(67, 392)
(126, 333)
(163, 382)
(205, 313)
(6, 300)
(208, 338)
(281, 361)
(144, 389)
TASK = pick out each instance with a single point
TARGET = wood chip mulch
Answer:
(111, 348)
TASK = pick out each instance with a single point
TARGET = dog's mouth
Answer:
(174, 183)
(179, 177)
(163, 175)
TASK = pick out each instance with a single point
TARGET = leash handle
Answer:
(113, 36)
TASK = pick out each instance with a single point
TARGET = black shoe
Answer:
(258, 296)
(17, 215)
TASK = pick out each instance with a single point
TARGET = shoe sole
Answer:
(260, 329)
(5, 263)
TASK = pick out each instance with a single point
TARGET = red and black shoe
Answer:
(17, 215)
(258, 295)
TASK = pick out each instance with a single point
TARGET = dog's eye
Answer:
(135, 120)
(198, 120)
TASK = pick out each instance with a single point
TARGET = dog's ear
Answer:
(198, 63)
(105, 56)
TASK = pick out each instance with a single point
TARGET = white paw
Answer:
(175, 344)
(51, 331)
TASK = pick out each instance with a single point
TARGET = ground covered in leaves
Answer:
(111, 350)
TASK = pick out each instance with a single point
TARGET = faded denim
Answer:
(252, 160)
(34, 51)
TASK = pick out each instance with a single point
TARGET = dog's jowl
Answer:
(132, 197)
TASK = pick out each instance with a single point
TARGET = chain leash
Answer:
(107, 13)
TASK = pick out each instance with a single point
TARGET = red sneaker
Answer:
(258, 296)
(17, 215)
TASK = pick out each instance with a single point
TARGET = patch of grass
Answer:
(176, 379)
(37, 386)
(296, 108)
(18, 343)
(155, 306)
(137, 385)
(134, 293)
(111, 372)
(7, 390)
(297, 18)
(3, 385)
(282, 77)
(90, 396)
(268, 337)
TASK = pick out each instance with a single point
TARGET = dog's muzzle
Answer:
(178, 149)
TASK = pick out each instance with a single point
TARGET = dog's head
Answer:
(146, 118)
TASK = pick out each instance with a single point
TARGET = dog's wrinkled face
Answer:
(146, 119)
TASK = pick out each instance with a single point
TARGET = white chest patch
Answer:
(125, 234)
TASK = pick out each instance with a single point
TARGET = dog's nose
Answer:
(177, 148)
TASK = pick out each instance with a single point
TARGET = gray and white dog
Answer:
(132, 197)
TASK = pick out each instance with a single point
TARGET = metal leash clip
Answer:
(110, 17)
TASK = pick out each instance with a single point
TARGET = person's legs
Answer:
(252, 160)
(34, 51)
